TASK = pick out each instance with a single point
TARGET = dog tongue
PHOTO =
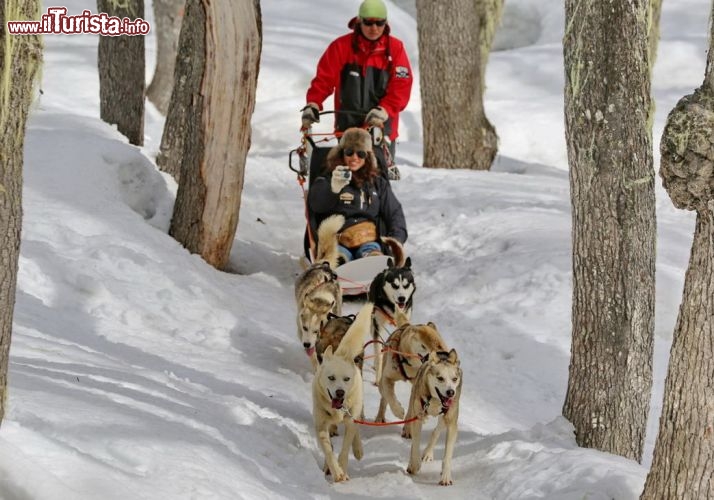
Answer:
(446, 403)
(337, 403)
(310, 351)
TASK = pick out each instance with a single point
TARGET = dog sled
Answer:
(308, 161)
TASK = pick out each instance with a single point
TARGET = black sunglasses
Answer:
(350, 152)
(372, 22)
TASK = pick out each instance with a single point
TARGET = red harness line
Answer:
(383, 424)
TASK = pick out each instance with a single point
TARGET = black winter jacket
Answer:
(374, 201)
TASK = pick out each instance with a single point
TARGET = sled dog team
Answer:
(335, 344)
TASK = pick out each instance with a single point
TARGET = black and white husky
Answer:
(391, 290)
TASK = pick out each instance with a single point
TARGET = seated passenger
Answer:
(351, 186)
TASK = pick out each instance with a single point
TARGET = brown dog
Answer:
(317, 291)
(404, 349)
(435, 392)
(331, 335)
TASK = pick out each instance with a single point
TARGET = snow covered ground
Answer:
(139, 372)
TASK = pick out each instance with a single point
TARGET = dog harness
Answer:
(400, 360)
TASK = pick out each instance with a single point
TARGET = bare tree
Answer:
(452, 55)
(168, 15)
(219, 49)
(122, 73)
(20, 61)
(188, 72)
(684, 451)
(607, 103)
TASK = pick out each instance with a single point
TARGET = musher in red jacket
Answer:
(369, 73)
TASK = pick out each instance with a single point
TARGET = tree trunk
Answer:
(457, 133)
(122, 73)
(684, 450)
(491, 15)
(219, 106)
(607, 102)
(188, 72)
(168, 15)
(653, 36)
(20, 60)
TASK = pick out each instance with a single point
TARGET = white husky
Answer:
(337, 395)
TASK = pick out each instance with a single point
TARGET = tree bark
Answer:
(490, 16)
(168, 15)
(217, 122)
(457, 133)
(684, 450)
(20, 60)
(653, 36)
(122, 73)
(607, 103)
(188, 72)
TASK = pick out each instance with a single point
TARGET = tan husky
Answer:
(435, 392)
(337, 395)
(404, 350)
(317, 292)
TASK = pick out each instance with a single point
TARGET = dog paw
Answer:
(406, 434)
(379, 419)
(413, 469)
(428, 457)
(341, 476)
(358, 453)
(446, 480)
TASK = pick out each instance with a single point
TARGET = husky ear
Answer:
(424, 358)
(390, 263)
(407, 263)
(327, 354)
(453, 357)
(432, 325)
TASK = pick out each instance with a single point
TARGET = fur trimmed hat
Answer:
(353, 138)
(356, 138)
(372, 9)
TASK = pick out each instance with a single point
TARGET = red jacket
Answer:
(361, 75)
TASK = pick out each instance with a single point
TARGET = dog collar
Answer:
(425, 403)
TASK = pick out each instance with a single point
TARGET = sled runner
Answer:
(354, 276)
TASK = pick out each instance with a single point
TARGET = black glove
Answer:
(310, 114)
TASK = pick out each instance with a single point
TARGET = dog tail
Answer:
(327, 239)
(353, 342)
(397, 250)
